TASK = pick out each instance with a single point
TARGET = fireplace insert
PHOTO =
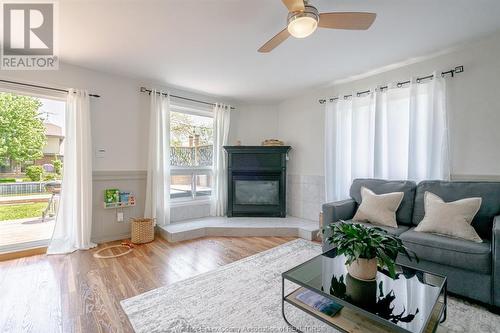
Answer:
(257, 181)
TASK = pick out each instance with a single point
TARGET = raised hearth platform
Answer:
(240, 227)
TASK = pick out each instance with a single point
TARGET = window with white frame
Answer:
(191, 150)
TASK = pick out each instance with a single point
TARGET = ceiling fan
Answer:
(304, 18)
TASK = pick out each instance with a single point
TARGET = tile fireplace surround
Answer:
(305, 195)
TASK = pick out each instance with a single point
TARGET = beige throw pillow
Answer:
(378, 208)
(450, 218)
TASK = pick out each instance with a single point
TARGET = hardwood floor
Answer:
(78, 293)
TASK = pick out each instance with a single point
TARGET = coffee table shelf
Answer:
(349, 320)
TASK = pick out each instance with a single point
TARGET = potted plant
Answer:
(365, 248)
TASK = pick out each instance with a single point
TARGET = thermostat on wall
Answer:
(100, 153)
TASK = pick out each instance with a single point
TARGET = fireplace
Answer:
(257, 191)
(256, 181)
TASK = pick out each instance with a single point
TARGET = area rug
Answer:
(245, 296)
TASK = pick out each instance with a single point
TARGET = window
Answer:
(191, 150)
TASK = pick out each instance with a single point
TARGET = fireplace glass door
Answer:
(256, 192)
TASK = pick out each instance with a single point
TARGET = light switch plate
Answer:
(119, 216)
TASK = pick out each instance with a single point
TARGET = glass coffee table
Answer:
(414, 301)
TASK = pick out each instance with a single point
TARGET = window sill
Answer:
(181, 203)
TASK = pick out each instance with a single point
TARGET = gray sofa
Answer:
(473, 269)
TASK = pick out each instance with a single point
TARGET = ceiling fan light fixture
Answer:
(303, 24)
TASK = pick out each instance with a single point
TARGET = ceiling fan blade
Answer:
(275, 41)
(346, 20)
(294, 5)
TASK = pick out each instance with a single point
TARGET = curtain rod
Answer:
(452, 72)
(149, 91)
(42, 87)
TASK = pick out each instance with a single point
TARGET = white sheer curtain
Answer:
(222, 116)
(331, 167)
(158, 177)
(428, 139)
(73, 225)
(348, 123)
(400, 133)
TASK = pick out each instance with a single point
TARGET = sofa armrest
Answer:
(333, 212)
(495, 244)
(339, 210)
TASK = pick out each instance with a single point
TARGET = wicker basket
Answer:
(143, 230)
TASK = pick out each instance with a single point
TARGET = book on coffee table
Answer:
(318, 302)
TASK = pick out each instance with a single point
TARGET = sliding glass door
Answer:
(32, 133)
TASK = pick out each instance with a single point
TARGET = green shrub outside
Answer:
(34, 173)
(49, 176)
(57, 166)
(7, 180)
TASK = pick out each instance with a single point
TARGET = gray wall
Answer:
(119, 120)
(105, 226)
(473, 107)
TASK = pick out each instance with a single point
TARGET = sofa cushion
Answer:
(452, 191)
(451, 219)
(393, 231)
(379, 209)
(379, 186)
(449, 251)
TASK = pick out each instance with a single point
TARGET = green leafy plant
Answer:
(57, 166)
(357, 241)
(34, 172)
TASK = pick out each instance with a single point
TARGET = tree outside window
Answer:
(22, 132)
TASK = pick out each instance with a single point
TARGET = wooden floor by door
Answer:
(78, 293)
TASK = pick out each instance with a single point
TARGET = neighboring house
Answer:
(53, 147)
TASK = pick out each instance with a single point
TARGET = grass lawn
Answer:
(22, 211)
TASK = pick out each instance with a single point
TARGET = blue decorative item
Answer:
(124, 196)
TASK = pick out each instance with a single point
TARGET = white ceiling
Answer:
(211, 45)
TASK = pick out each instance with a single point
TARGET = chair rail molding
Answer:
(467, 177)
(110, 175)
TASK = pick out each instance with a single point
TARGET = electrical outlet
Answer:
(119, 216)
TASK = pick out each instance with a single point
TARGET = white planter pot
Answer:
(363, 269)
